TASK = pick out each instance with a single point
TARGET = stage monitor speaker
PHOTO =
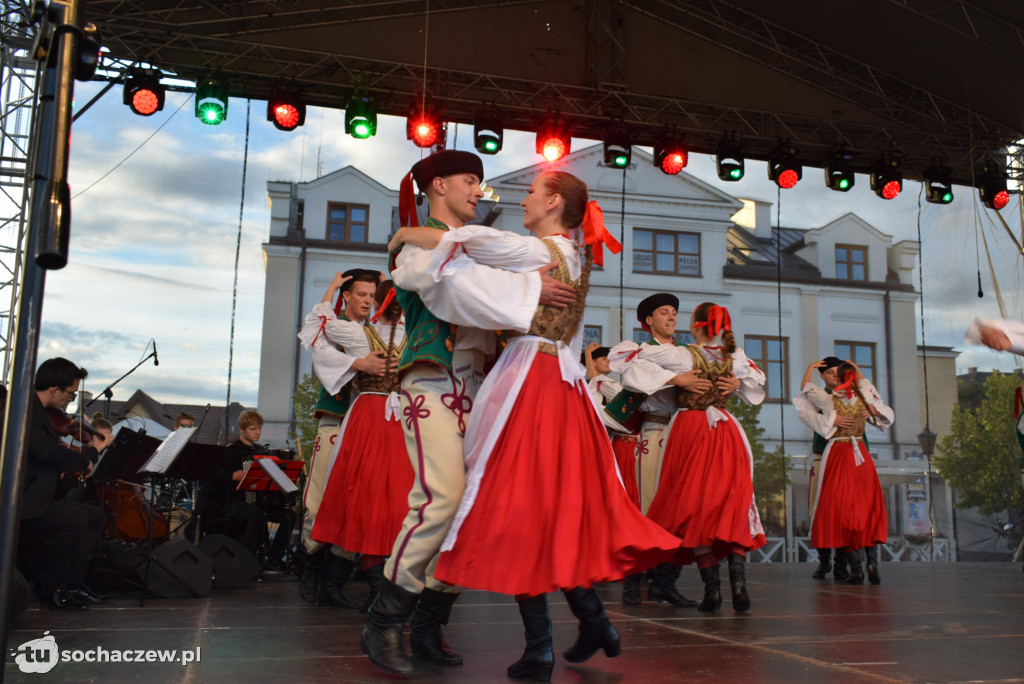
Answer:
(233, 565)
(179, 570)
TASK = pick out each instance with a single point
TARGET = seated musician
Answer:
(186, 420)
(220, 497)
(62, 536)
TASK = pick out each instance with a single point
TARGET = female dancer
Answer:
(849, 511)
(705, 491)
(544, 507)
(365, 500)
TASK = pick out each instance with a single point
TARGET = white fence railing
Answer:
(897, 549)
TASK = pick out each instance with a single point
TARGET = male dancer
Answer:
(449, 333)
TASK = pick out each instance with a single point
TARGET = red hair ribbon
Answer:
(595, 234)
(407, 202)
(388, 298)
(847, 387)
(718, 321)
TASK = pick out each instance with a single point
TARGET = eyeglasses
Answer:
(71, 395)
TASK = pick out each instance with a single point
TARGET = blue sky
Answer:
(153, 242)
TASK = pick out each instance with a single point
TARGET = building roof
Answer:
(209, 418)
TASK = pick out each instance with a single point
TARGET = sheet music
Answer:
(168, 450)
(277, 475)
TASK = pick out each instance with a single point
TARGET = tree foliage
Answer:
(980, 457)
(304, 398)
(771, 468)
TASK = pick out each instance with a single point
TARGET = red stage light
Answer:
(286, 116)
(1000, 200)
(674, 163)
(891, 189)
(424, 133)
(145, 102)
(553, 149)
(788, 179)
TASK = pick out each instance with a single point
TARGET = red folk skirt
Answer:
(624, 447)
(705, 493)
(850, 509)
(367, 493)
(551, 512)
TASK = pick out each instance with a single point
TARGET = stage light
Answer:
(424, 128)
(729, 161)
(886, 179)
(553, 142)
(143, 93)
(361, 117)
(618, 151)
(784, 170)
(938, 189)
(285, 109)
(211, 106)
(992, 190)
(838, 174)
(670, 154)
(488, 133)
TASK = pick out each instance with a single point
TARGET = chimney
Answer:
(755, 216)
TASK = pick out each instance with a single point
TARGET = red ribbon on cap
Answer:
(407, 202)
(596, 235)
(388, 298)
(718, 321)
(847, 387)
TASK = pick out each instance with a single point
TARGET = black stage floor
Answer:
(925, 623)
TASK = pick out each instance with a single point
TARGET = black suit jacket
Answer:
(46, 459)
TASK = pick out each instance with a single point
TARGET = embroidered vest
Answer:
(333, 404)
(387, 383)
(849, 411)
(712, 370)
(428, 339)
(625, 405)
(818, 443)
(549, 322)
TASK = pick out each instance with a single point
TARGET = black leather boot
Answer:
(824, 563)
(631, 589)
(309, 584)
(738, 582)
(538, 660)
(374, 578)
(333, 575)
(663, 586)
(841, 569)
(382, 637)
(425, 637)
(872, 564)
(712, 590)
(596, 630)
(856, 571)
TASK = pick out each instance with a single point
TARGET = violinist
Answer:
(62, 535)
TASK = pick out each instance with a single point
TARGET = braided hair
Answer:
(574, 205)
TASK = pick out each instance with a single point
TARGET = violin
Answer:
(70, 426)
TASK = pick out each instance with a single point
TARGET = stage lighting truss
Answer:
(784, 170)
(992, 190)
(488, 132)
(671, 154)
(285, 108)
(143, 93)
(839, 175)
(729, 161)
(211, 104)
(361, 117)
(938, 189)
(553, 141)
(886, 178)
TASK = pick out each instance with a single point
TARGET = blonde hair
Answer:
(248, 418)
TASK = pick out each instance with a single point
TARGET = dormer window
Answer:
(851, 262)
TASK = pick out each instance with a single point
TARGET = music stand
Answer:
(273, 474)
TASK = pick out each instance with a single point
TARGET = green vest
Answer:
(818, 443)
(427, 338)
(333, 404)
(624, 405)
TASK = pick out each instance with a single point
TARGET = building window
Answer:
(771, 354)
(682, 337)
(664, 251)
(861, 353)
(851, 262)
(591, 333)
(348, 222)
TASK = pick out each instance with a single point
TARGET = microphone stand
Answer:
(108, 393)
